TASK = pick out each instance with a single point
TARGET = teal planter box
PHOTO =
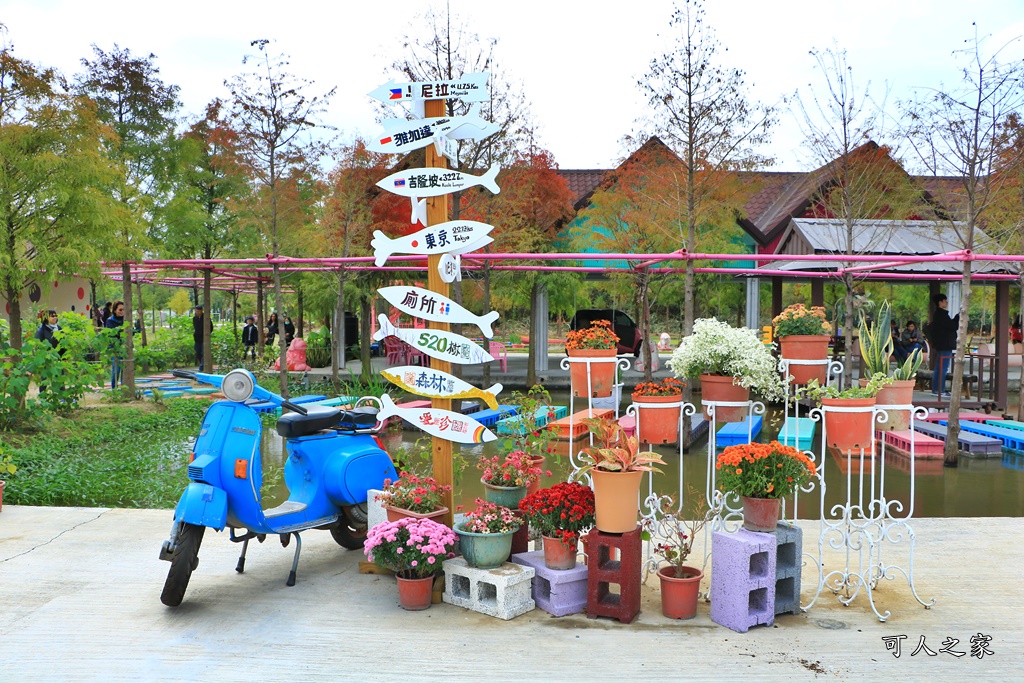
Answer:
(798, 432)
(485, 551)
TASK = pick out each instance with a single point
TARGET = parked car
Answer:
(627, 331)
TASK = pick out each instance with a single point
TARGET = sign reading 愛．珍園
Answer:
(439, 344)
(470, 88)
(434, 182)
(435, 307)
(444, 424)
(433, 383)
(443, 238)
(403, 135)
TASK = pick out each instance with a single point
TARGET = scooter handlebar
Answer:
(294, 407)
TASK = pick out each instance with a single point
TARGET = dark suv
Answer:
(622, 325)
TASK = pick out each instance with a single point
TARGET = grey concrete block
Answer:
(503, 592)
(788, 558)
(375, 512)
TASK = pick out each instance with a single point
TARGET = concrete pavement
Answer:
(79, 600)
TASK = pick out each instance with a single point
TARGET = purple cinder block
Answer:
(789, 548)
(559, 592)
(742, 579)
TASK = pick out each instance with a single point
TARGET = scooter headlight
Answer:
(237, 385)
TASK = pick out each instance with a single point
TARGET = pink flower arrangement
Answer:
(515, 469)
(489, 518)
(412, 548)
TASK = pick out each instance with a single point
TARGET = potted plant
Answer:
(762, 475)
(849, 414)
(671, 540)
(615, 466)
(560, 513)
(658, 425)
(803, 334)
(414, 549)
(876, 348)
(413, 496)
(596, 341)
(527, 432)
(485, 536)
(730, 362)
(506, 479)
(7, 467)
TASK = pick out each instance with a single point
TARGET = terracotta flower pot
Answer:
(899, 393)
(616, 496)
(657, 425)
(853, 430)
(536, 461)
(721, 388)
(415, 594)
(395, 514)
(761, 514)
(679, 594)
(508, 496)
(558, 555)
(805, 347)
(602, 375)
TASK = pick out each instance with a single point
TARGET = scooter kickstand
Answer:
(295, 561)
(240, 567)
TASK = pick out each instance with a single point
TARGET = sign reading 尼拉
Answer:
(434, 182)
(403, 135)
(439, 344)
(470, 88)
(444, 424)
(443, 238)
(432, 383)
(428, 305)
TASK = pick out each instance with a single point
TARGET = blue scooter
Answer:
(333, 458)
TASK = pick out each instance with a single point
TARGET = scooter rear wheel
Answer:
(183, 561)
(347, 536)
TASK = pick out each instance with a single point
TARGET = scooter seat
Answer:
(318, 418)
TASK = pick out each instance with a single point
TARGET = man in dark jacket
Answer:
(250, 336)
(200, 328)
(943, 341)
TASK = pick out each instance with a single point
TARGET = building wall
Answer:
(71, 294)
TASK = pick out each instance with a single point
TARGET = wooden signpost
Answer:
(435, 182)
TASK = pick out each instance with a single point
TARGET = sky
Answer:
(578, 62)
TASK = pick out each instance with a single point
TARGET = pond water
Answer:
(976, 488)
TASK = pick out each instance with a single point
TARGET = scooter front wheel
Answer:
(183, 561)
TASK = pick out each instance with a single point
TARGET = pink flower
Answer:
(431, 560)
(414, 563)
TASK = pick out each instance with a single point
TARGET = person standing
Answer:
(250, 335)
(200, 327)
(45, 334)
(114, 322)
(271, 329)
(289, 331)
(943, 337)
(107, 310)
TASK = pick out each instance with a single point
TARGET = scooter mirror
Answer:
(237, 385)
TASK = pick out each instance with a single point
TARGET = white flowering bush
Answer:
(716, 348)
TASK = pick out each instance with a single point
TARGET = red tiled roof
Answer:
(582, 183)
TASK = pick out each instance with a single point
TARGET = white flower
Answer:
(715, 348)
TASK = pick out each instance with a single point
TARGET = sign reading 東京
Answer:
(443, 238)
(428, 305)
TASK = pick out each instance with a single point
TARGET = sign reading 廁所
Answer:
(470, 88)
(428, 305)
(444, 424)
(439, 344)
(437, 384)
(444, 238)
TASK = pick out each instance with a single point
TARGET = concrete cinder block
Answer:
(788, 556)
(557, 592)
(614, 562)
(742, 579)
(375, 512)
(503, 592)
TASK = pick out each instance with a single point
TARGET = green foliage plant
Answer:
(876, 346)
(528, 435)
(615, 452)
(816, 392)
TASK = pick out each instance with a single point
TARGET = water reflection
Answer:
(977, 488)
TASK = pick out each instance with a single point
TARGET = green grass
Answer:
(132, 456)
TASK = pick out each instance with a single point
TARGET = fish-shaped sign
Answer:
(443, 238)
(439, 344)
(470, 88)
(443, 424)
(404, 135)
(437, 384)
(434, 182)
(428, 305)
